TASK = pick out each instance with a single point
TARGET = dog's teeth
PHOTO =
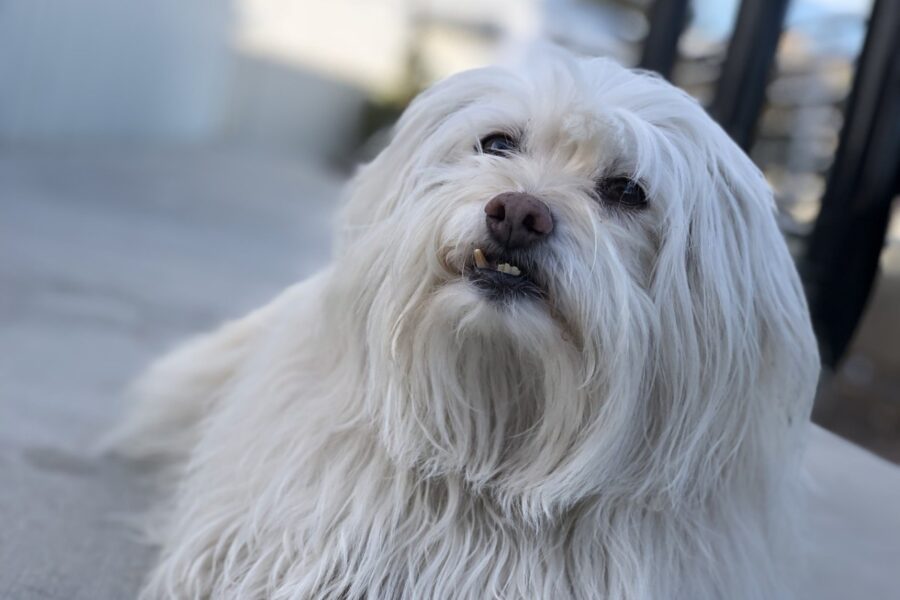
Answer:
(480, 261)
(509, 269)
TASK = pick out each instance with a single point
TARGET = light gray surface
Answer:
(107, 258)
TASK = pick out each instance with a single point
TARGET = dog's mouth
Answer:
(501, 279)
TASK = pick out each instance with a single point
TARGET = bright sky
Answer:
(715, 16)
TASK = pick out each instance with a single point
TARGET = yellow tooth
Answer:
(503, 268)
(514, 271)
(480, 261)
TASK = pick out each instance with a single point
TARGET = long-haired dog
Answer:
(562, 352)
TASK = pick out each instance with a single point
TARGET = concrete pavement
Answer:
(107, 258)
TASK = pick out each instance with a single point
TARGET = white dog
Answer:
(562, 353)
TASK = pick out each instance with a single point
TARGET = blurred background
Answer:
(165, 165)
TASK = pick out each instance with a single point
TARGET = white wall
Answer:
(145, 69)
(280, 73)
(270, 72)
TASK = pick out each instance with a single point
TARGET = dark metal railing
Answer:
(667, 20)
(841, 260)
(748, 64)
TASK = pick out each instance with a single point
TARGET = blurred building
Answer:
(293, 74)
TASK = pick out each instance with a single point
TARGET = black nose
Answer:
(516, 220)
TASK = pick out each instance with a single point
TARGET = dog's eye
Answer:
(498, 144)
(622, 191)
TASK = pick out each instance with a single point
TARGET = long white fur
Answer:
(384, 431)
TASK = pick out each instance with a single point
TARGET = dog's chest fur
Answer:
(367, 530)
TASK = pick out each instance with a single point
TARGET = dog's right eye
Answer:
(498, 144)
(622, 191)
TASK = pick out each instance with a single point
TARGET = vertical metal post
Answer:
(667, 21)
(745, 73)
(846, 243)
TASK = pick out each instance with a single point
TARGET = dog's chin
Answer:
(496, 294)
(503, 287)
(488, 305)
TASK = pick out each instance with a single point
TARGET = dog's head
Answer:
(570, 281)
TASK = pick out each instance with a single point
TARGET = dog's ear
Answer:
(417, 143)
(737, 357)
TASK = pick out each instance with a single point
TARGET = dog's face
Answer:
(569, 266)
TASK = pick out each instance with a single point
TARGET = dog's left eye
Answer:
(622, 191)
(498, 144)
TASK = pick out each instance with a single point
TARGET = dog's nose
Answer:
(516, 219)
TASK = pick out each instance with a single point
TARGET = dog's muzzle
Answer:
(516, 222)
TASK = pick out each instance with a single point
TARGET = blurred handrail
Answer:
(745, 72)
(667, 20)
(842, 258)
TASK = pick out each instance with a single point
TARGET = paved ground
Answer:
(106, 259)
